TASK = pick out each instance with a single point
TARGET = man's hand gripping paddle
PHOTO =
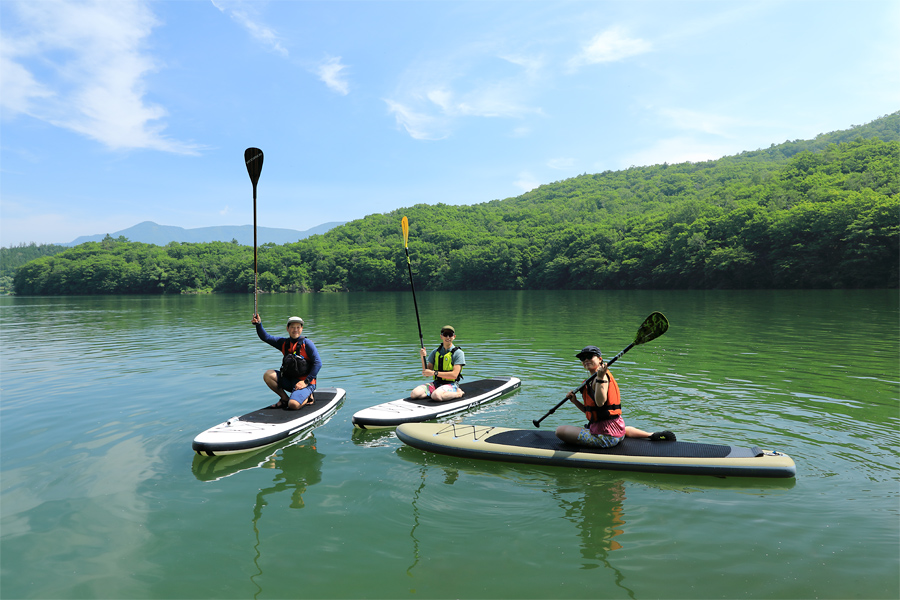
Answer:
(653, 326)
(404, 225)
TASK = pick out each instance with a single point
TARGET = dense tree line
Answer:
(15, 256)
(818, 214)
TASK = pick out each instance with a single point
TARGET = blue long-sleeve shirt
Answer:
(278, 343)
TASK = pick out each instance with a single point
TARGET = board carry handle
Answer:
(653, 326)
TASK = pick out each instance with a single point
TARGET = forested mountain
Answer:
(15, 256)
(152, 233)
(822, 213)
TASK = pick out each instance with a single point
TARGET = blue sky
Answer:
(117, 112)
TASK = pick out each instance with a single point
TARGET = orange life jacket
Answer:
(610, 410)
(287, 348)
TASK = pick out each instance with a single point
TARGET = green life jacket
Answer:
(443, 361)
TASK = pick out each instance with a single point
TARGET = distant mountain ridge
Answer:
(149, 232)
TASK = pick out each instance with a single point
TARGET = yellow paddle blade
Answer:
(404, 224)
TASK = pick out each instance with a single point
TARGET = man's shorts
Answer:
(586, 438)
(288, 386)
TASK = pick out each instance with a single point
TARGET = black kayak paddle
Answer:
(653, 326)
(253, 157)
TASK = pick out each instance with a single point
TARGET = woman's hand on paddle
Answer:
(573, 398)
(256, 319)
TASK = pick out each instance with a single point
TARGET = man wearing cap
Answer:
(296, 380)
(603, 408)
(444, 365)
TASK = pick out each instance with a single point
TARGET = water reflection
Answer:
(297, 465)
(595, 502)
(110, 463)
(598, 512)
(373, 438)
(597, 509)
(450, 476)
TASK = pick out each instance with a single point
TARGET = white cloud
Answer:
(677, 150)
(418, 125)
(20, 220)
(520, 132)
(526, 181)
(693, 120)
(19, 85)
(531, 65)
(331, 72)
(242, 14)
(561, 163)
(81, 66)
(612, 45)
(428, 106)
(495, 100)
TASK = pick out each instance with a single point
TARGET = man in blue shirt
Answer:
(296, 380)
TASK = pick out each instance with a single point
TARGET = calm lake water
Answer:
(102, 496)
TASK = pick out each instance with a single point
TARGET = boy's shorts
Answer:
(452, 387)
(586, 438)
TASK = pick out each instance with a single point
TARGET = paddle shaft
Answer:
(255, 267)
(404, 226)
(415, 305)
(253, 159)
(590, 379)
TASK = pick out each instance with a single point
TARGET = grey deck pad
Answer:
(525, 438)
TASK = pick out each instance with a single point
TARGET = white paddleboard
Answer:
(408, 410)
(267, 426)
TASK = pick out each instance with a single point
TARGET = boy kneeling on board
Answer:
(603, 408)
(444, 364)
(299, 367)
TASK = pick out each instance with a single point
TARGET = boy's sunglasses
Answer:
(447, 333)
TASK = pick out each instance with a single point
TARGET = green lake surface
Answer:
(102, 496)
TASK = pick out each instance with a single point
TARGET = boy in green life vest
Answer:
(444, 365)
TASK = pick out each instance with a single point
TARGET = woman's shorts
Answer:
(586, 438)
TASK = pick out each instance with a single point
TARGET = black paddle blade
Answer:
(654, 326)
(254, 159)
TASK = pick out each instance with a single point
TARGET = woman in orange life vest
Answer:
(602, 406)
(300, 385)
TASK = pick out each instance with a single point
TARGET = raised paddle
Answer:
(404, 225)
(253, 157)
(653, 326)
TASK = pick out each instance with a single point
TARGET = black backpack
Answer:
(294, 366)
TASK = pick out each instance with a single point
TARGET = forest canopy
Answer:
(823, 213)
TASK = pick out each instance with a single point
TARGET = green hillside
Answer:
(820, 213)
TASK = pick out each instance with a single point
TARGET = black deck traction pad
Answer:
(281, 415)
(628, 447)
(471, 389)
